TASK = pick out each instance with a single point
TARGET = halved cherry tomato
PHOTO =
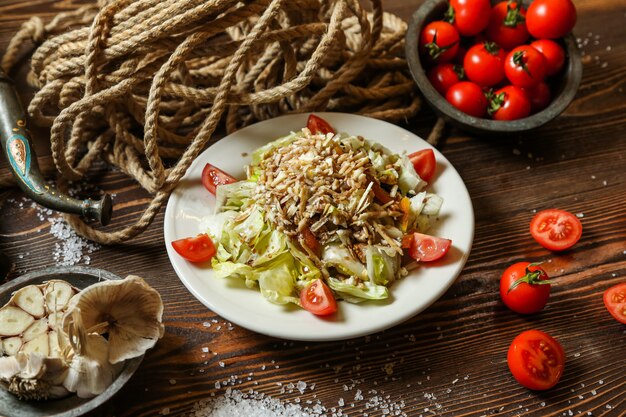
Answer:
(524, 287)
(318, 125)
(426, 248)
(615, 301)
(536, 360)
(318, 299)
(525, 66)
(213, 176)
(424, 163)
(311, 241)
(195, 249)
(556, 229)
(439, 42)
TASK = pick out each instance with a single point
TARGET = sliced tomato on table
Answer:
(424, 163)
(213, 176)
(318, 125)
(195, 249)
(615, 301)
(536, 360)
(425, 248)
(556, 229)
(318, 299)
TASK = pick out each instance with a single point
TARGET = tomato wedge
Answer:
(311, 241)
(318, 125)
(615, 301)
(195, 249)
(426, 248)
(213, 176)
(536, 360)
(318, 299)
(556, 229)
(424, 163)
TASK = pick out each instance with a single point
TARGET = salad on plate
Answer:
(321, 216)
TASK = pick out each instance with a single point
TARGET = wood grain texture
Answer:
(451, 359)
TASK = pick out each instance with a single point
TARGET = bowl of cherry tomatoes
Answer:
(495, 66)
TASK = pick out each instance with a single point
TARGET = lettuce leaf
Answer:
(352, 293)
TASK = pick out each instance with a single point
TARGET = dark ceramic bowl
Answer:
(71, 406)
(563, 88)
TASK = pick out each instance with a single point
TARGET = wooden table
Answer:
(451, 359)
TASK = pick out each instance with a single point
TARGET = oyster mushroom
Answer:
(128, 311)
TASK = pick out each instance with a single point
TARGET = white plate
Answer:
(247, 308)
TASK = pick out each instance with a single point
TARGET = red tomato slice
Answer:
(195, 249)
(615, 301)
(311, 241)
(424, 163)
(426, 248)
(318, 125)
(536, 360)
(212, 177)
(318, 299)
(556, 229)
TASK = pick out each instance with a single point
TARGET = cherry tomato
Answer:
(556, 229)
(509, 103)
(424, 163)
(318, 299)
(425, 248)
(318, 125)
(469, 17)
(213, 176)
(554, 54)
(195, 249)
(536, 360)
(615, 301)
(506, 25)
(550, 18)
(468, 97)
(484, 64)
(525, 66)
(311, 241)
(524, 288)
(539, 96)
(439, 42)
(444, 76)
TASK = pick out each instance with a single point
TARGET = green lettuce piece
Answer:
(383, 264)
(277, 281)
(338, 256)
(356, 294)
(250, 229)
(409, 181)
(233, 196)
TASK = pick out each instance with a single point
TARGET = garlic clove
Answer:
(57, 294)
(33, 376)
(12, 345)
(14, 321)
(37, 345)
(54, 319)
(54, 348)
(9, 366)
(38, 327)
(31, 300)
(129, 310)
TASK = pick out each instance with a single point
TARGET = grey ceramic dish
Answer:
(71, 406)
(563, 92)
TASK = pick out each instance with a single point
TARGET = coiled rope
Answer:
(144, 84)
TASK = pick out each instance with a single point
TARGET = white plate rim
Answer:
(297, 324)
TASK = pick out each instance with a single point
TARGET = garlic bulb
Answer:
(33, 376)
(128, 311)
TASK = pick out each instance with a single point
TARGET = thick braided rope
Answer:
(144, 84)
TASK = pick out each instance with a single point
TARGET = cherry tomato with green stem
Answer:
(525, 287)
(509, 103)
(484, 64)
(550, 19)
(468, 97)
(525, 66)
(507, 25)
(469, 17)
(439, 42)
(553, 52)
(444, 76)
